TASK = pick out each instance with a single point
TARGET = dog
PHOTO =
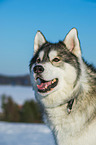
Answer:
(65, 88)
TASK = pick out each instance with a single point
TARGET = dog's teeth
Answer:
(45, 86)
(38, 81)
(54, 80)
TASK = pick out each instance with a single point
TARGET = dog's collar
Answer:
(70, 101)
(70, 105)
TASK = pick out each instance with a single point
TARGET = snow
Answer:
(21, 133)
(18, 93)
(25, 134)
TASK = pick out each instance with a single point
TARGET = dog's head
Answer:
(55, 67)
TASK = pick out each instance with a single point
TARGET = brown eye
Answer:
(38, 60)
(56, 59)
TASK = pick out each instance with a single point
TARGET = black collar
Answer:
(70, 101)
(70, 105)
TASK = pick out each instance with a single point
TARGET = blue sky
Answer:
(20, 20)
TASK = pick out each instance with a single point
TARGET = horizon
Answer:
(20, 20)
(14, 75)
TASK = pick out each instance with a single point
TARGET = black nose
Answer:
(38, 69)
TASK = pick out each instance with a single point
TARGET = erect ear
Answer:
(38, 41)
(72, 42)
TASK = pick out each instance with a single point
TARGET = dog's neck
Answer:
(70, 117)
(69, 101)
(65, 118)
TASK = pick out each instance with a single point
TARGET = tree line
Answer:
(15, 80)
(29, 112)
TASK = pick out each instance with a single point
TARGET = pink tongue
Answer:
(43, 85)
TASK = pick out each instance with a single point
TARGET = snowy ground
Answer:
(18, 93)
(25, 134)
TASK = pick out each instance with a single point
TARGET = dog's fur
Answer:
(70, 107)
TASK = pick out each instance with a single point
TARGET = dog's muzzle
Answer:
(43, 85)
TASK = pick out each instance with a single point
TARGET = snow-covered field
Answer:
(18, 93)
(20, 133)
(25, 134)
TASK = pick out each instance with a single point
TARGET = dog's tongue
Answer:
(43, 86)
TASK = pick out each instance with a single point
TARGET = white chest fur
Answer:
(70, 129)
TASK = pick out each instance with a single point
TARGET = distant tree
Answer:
(10, 109)
(30, 112)
(3, 101)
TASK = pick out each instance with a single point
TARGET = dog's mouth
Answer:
(46, 86)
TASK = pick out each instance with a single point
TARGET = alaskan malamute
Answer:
(65, 87)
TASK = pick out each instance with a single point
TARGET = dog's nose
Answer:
(38, 69)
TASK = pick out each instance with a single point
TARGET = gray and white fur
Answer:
(65, 87)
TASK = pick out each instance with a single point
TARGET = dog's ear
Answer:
(38, 41)
(72, 42)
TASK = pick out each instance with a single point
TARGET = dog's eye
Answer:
(38, 60)
(56, 59)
